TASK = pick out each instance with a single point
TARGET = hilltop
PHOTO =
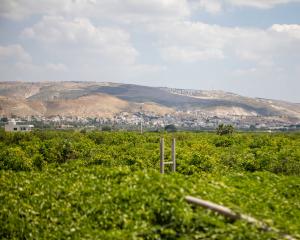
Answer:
(102, 99)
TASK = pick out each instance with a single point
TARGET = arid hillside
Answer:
(91, 99)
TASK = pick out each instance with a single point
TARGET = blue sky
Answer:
(250, 47)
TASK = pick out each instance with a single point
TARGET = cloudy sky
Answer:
(250, 47)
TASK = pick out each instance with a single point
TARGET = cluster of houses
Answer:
(182, 119)
(13, 126)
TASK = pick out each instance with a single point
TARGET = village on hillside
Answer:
(185, 120)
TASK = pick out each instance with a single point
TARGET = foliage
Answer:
(106, 128)
(106, 185)
(14, 158)
(171, 128)
(225, 129)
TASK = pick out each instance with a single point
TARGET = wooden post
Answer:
(162, 156)
(174, 155)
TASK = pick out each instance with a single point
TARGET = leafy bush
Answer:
(38, 161)
(202, 162)
(106, 185)
(76, 201)
(106, 128)
(14, 158)
(225, 129)
(171, 128)
(223, 142)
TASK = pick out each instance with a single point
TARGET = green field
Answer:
(107, 185)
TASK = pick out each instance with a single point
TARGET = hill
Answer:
(95, 99)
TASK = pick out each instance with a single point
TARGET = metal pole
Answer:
(141, 127)
(174, 155)
(162, 156)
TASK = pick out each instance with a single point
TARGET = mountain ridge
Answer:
(105, 99)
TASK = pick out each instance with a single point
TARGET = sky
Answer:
(249, 47)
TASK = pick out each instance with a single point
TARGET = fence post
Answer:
(174, 155)
(162, 156)
(141, 127)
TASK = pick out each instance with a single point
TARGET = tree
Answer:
(14, 158)
(106, 128)
(4, 119)
(171, 128)
(223, 129)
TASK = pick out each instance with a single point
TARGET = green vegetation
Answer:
(225, 129)
(106, 185)
(106, 128)
(171, 128)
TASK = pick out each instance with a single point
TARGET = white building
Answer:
(12, 126)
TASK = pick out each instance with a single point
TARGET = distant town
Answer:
(182, 120)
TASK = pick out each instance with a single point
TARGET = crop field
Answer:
(107, 185)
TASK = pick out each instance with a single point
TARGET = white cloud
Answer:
(40, 68)
(57, 67)
(30, 71)
(262, 4)
(126, 11)
(292, 30)
(15, 60)
(14, 51)
(120, 10)
(147, 68)
(190, 41)
(210, 6)
(145, 10)
(111, 44)
(194, 41)
(217, 6)
(19, 9)
(244, 72)
(92, 52)
(185, 54)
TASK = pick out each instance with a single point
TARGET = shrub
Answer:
(14, 158)
(106, 128)
(38, 161)
(223, 141)
(225, 129)
(171, 128)
(201, 162)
